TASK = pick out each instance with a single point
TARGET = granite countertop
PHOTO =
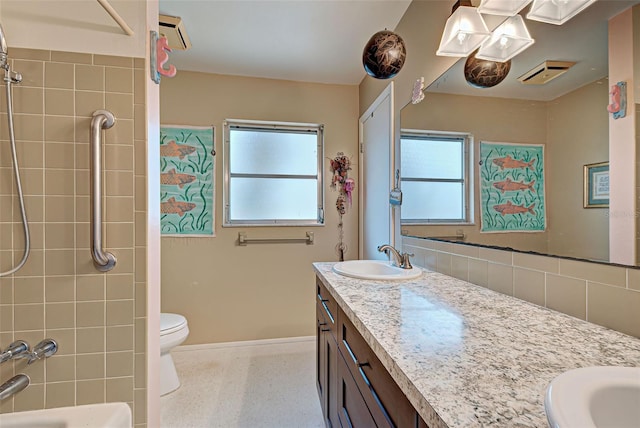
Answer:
(467, 356)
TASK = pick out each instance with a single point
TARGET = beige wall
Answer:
(232, 293)
(97, 318)
(578, 131)
(600, 293)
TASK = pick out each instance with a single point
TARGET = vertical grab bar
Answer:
(102, 119)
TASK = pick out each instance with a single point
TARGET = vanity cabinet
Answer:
(355, 388)
(327, 356)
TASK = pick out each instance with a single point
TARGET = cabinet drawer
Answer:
(329, 306)
(352, 409)
(386, 401)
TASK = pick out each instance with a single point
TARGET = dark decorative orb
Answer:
(384, 55)
(481, 73)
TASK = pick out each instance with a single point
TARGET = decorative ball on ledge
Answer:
(481, 73)
(384, 55)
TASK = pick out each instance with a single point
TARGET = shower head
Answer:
(3, 49)
(3, 41)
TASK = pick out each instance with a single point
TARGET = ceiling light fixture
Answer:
(506, 41)
(384, 54)
(464, 31)
(502, 7)
(557, 11)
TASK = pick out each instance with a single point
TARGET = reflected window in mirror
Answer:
(435, 177)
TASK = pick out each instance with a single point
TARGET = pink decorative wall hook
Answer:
(162, 56)
(615, 99)
(618, 96)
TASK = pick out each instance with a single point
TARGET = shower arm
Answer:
(103, 261)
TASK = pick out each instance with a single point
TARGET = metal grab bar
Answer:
(103, 261)
(243, 240)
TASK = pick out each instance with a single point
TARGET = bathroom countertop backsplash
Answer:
(467, 356)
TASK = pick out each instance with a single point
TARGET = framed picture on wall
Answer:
(187, 180)
(596, 185)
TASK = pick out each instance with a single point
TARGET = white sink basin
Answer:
(375, 269)
(594, 397)
(107, 415)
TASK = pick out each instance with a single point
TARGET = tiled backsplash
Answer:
(97, 318)
(603, 294)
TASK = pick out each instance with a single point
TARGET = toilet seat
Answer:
(170, 323)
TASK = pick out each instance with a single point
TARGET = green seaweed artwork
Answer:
(512, 187)
(187, 161)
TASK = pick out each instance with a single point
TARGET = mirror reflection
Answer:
(567, 116)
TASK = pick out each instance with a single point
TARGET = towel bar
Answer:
(243, 240)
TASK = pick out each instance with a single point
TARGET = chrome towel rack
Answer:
(460, 236)
(243, 240)
(102, 119)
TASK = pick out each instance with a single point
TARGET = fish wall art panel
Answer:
(187, 162)
(512, 196)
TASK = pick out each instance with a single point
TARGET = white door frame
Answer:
(387, 95)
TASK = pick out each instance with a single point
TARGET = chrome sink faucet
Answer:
(399, 259)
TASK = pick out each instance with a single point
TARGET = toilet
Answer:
(173, 331)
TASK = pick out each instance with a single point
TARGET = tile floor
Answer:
(236, 386)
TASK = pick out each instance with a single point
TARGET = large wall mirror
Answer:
(568, 115)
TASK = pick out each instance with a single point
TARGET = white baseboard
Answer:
(282, 340)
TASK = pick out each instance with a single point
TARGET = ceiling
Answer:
(322, 41)
(301, 40)
(583, 40)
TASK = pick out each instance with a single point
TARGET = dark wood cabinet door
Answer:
(352, 409)
(331, 384)
(326, 369)
(321, 362)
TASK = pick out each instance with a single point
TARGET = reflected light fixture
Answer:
(557, 11)
(464, 31)
(482, 74)
(506, 41)
(502, 7)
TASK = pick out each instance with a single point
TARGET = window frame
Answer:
(294, 127)
(467, 179)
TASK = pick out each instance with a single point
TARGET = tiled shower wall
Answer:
(98, 319)
(600, 293)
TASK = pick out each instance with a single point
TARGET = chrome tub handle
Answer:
(102, 119)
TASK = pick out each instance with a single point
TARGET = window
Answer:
(273, 173)
(435, 177)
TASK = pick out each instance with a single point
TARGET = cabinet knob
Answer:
(365, 364)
